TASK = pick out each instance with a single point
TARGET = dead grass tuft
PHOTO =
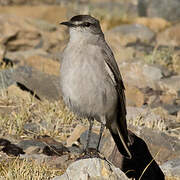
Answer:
(24, 169)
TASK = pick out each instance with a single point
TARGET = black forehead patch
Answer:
(83, 18)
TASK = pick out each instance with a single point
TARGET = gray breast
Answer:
(86, 86)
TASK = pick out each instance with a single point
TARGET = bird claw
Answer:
(91, 153)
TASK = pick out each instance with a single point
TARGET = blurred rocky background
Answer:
(145, 38)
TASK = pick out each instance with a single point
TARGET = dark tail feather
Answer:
(121, 143)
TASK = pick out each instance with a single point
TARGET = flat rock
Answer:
(43, 64)
(170, 37)
(24, 33)
(79, 129)
(14, 90)
(171, 169)
(158, 8)
(140, 75)
(134, 97)
(25, 144)
(155, 24)
(171, 84)
(92, 169)
(131, 33)
(20, 56)
(6, 79)
(43, 85)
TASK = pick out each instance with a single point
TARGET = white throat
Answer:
(80, 35)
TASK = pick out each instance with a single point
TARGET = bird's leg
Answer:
(91, 122)
(100, 135)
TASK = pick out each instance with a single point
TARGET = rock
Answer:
(158, 8)
(172, 108)
(17, 34)
(167, 98)
(120, 52)
(28, 34)
(18, 57)
(42, 25)
(43, 64)
(171, 84)
(45, 145)
(14, 90)
(32, 150)
(25, 144)
(32, 127)
(92, 169)
(43, 85)
(79, 129)
(6, 78)
(170, 37)
(51, 14)
(134, 97)
(155, 24)
(171, 169)
(93, 142)
(140, 75)
(131, 33)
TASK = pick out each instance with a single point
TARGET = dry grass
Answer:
(15, 112)
(24, 169)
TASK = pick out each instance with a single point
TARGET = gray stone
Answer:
(19, 56)
(6, 78)
(140, 32)
(140, 75)
(91, 169)
(167, 9)
(43, 85)
(42, 25)
(170, 36)
(94, 139)
(31, 127)
(172, 84)
(172, 168)
(24, 144)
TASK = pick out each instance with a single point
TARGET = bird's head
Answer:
(84, 25)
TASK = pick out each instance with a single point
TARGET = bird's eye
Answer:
(87, 24)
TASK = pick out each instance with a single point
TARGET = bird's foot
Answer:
(91, 153)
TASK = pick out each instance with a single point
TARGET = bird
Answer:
(91, 83)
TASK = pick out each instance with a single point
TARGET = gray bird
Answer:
(91, 82)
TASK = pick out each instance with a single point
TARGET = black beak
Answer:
(68, 23)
